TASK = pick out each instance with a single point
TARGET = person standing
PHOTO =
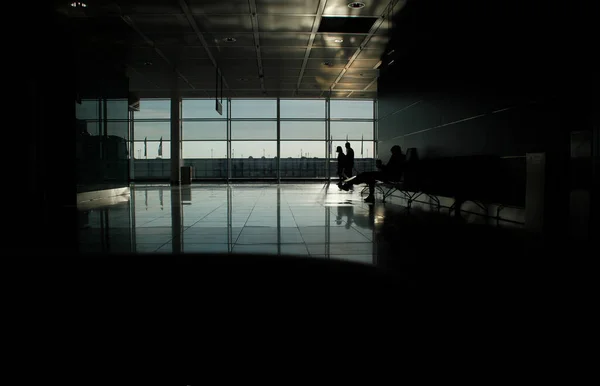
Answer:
(341, 164)
(348, 170)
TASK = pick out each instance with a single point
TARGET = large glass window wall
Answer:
(254, 138)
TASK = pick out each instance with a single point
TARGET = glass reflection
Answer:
(281, 221)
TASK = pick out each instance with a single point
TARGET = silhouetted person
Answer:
(392, 171)
(341, 164)
(348, 211)
(349, 161)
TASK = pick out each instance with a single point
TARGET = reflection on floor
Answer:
(309, 220)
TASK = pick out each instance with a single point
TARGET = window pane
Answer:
(118, 129)
(153, 109)
(152, 168)
(303, 130)
(88, 109)
(202, 108)
(361, 150)
(298, 149)
(254, 130)
(351, 109)
(204, 149)
(117, 109)
(254, 149)
(204, 130)
(248, 161)
(151, 130)
(302, 108)
(207, 167)
(153, 148)
(253, 108)
(352, 130)
(92, 127)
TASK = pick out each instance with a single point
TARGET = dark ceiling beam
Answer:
(254, 17)
(372, 31)
(194, 25)
(311, 40)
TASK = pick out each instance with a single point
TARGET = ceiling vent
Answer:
(349, 25)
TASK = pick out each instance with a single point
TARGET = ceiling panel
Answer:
(309, 84)
(225, 24)
(240, 69)
(322, 72)
(378, 42)
(368, 73)
(218, 7)
(288, 86)
(328, 40)
(284, 39)
(332, 53)
(287, 7)
(183, 85)
(150, 7)
(372, 87)
(278, 73)
(284, 27)
(197, 68)
(194, 52)
(336, 64)
(320, 79)
(279, 23)
(283, 52)
(340, 7)
(218, 39)
(307, 94)
(228, 52)
(356, 80)
(244, 83)
(369, 54)
(366, 64)
(166, 23)
(282, 63)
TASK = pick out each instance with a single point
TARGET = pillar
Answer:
(175, 133)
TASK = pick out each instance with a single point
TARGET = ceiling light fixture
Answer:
(356, 5)
(78, 4)
(230, 40)
(339, 40)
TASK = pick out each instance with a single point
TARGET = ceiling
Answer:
(282, 48)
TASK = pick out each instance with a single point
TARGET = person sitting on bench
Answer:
(392, 171)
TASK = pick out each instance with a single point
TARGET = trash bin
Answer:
(186, 175)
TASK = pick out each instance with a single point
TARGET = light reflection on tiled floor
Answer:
(309, 220)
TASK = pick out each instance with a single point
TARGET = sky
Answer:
(204, 138)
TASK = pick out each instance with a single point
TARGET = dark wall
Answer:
(469, 78)
(42, 141)
(464, 77)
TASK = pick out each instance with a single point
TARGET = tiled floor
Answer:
(314, 220)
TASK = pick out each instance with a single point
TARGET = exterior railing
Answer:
(216, 168)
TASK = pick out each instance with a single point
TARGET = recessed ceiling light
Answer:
(356, 5)
(78, 4)
(339, 40)
(229, 40)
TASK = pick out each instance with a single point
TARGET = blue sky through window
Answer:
(254, 128)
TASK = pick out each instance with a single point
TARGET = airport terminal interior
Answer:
(196, 128)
